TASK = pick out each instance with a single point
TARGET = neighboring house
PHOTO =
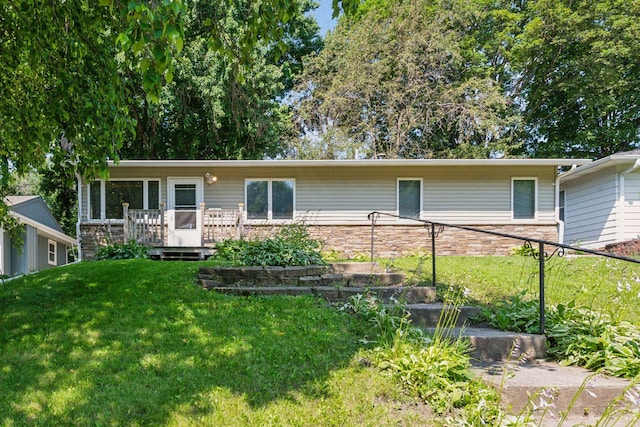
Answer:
(332, 197)
(601, 201)
(44, 243)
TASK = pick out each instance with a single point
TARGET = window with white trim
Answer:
(270, 199)
(52, 252)
(106, 197)
(561, 204)
(409, 200)
(524, 198)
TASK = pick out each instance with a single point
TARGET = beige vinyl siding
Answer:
(346, 195)
(590, 210)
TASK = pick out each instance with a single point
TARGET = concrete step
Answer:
(427, 315)
(520, 384)
(494, 345)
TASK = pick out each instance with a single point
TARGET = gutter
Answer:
(557, 203)
(620, 222)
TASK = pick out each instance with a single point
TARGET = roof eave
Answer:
(349, 163)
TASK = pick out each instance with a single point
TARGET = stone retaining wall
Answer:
(630, 248)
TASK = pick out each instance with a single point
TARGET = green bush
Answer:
(575, 335)
(129, 250)
(291, 245)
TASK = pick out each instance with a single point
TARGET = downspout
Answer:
(620, 218)
(79, 246)
(557, 204)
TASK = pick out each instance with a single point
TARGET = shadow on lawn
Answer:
(135, 342)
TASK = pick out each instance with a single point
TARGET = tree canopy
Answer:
(407, 80)
(211, 110)
(576, 71)
(67, 70)
(435, 78)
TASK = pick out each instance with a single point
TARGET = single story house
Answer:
(45, 245)
(176, 203)
(600, 201)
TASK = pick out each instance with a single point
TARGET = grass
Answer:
(137, 343)
(610, 285)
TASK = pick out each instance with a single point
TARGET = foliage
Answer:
(524, 250)
(575, 335)
(290, 246)
(574, 65)
(436, 369)
(134, 342)
(129, 250)
(72, 71)
(212, 109)
(404, 79)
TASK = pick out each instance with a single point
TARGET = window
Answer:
(409, 197)
(106, 197)
(524, 201)
(52, 252)
(269, 198)
(561, 206)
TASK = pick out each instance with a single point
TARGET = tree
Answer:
(61, 64)
(406, 79)
(576, 68)
(210, 110)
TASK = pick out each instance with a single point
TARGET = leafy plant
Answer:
(524, 250)
(437, 368)
(291, 245)
(575, 335)
(129, 250)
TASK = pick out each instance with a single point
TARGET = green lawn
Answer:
(138, 343)
(603, 284)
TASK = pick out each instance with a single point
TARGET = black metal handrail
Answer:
(541, 255)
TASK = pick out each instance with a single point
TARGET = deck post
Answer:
(240, 221)
(202, 224)
(162, 206)
(541, 256)
(125, 222)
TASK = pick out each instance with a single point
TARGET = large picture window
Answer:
(270, 198)
(409, 197)
(106, 197)
(524, 198)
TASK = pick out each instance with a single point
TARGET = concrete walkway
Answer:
(585, 395)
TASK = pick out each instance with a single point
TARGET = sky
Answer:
(323, 16)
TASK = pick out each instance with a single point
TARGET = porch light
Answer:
(210, 178)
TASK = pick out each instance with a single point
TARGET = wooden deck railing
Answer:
(145, 226)
(148, 226)
(221, 224)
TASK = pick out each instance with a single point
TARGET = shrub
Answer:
(128, 250)
(291, 245)
(575, 335)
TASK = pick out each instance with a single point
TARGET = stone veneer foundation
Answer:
(352, 240)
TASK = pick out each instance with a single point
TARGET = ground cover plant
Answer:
(606, 285)
(592, 304)
(136, 342)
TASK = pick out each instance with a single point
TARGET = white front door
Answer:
(184, 196)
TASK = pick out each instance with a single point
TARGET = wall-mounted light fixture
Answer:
(210, 178)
